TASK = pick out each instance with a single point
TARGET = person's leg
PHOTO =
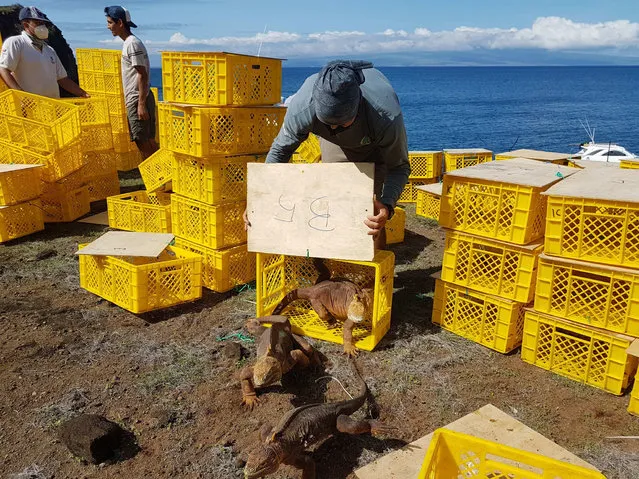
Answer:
(143, 131)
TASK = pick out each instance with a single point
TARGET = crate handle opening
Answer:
(572, 334)
(591, 276)
(178, 113)
(489, 249)
(256, 66)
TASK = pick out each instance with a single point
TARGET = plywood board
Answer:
(518, 171)
(433, 188)
(537, 155)
(595, 164)
(633, 349)
(611, 184)
(424, 152)
(99, 219)
(315, 210)
(488, 423)
(467, 151)
(9, 168)
(128, 243)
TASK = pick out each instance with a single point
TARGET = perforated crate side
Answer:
(99, 60)
(103, 186)
(502, 211)
(409, 194)
(18, 186)
(593, 230)
(395, 227)
(584, 354)
(55, 166)
(204, 131)
(140, 211)
(216, 180)
(428, 205)
(122, 142)
(633, 404)
(488, 320)
(141, 284)
(66, 206)
(589, 294)
(223, 269)
(309, 151)
(214, 78)
(457, 455)
(40, 123)
(458, 161)
(215, 226)
(157, 170)
(20, 220)
(492, 267)
(279, 274)
(99, 163)
(129, 160)
(425, 164)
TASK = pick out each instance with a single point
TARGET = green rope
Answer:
(240, 336)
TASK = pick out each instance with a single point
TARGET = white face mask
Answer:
(41, 31)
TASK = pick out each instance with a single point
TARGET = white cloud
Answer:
(546, 33)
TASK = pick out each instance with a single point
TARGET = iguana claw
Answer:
(350, 350)
(249, 402)
(380, 429)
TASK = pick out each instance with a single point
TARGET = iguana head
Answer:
(265, 460)
(267, 370)
(358, 308)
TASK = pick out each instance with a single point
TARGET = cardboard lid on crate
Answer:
(537, 155)
(609, 184)
(16, 167)
(128, 243)
(467, 151)
(433, 188)
(518, 171)
(595, 164)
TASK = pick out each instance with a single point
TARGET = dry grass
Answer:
(612, 461)
(54, 414)
(32, 472)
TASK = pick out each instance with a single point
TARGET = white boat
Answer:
(609, 152)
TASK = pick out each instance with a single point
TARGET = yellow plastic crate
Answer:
(215, 226)
(223, 269)
(462, 158)
(156, 94)
(203, 131)
(37, 122)
(490, 209)
(99, 163)
(95, 124)
(409, 194)
(157, 170)
(279, 274)
(19, 183)
(588, 293)
(129, 160)
(494, 267)
(454, 455)
(99, 70)
(122, 142)
(66, 185)
(494, 322)
(629, 164)
(593, 230)
(64, 206)
(102, 186)
(395, 227)
(55, 166)
(216, 78)
(117, 112)
(633, 405)
(309, 151)
(428, 201)
(140, 284)
(20, 220)
(140, 211)
(582, 353)
(215, 180)
(425, 164)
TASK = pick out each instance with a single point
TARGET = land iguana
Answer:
(334, 299)
(278, 351)
(307, 425)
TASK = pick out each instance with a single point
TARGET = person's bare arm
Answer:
(143, 91)
(72, 87)
(9, 79)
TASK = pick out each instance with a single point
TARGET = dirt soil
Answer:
(170, 378)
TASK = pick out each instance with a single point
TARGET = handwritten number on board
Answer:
(290, 210)
(314, 222)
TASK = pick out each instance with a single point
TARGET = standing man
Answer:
(28, 63)
(136, 70)
(354, 110)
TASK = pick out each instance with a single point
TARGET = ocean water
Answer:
(506, 108)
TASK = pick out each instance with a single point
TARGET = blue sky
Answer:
(401, 32)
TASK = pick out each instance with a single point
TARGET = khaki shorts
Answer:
(142, 130)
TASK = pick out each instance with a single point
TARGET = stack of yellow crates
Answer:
(39, 130)
(426, 168)
(218, 115)
(495, 215)
(586, 310)
(100, 75)
(20, 207)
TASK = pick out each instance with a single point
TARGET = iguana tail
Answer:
(324, 274)
(286, 300)
(352, 405)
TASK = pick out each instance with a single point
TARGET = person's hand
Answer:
(143, 114)
(85, 94)
(377, 222)
(247, 223)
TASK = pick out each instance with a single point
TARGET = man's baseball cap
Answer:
(117, 12)
(32, 13)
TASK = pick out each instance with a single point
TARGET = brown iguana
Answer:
(278, 351)
(334, 299)
(304, 426)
